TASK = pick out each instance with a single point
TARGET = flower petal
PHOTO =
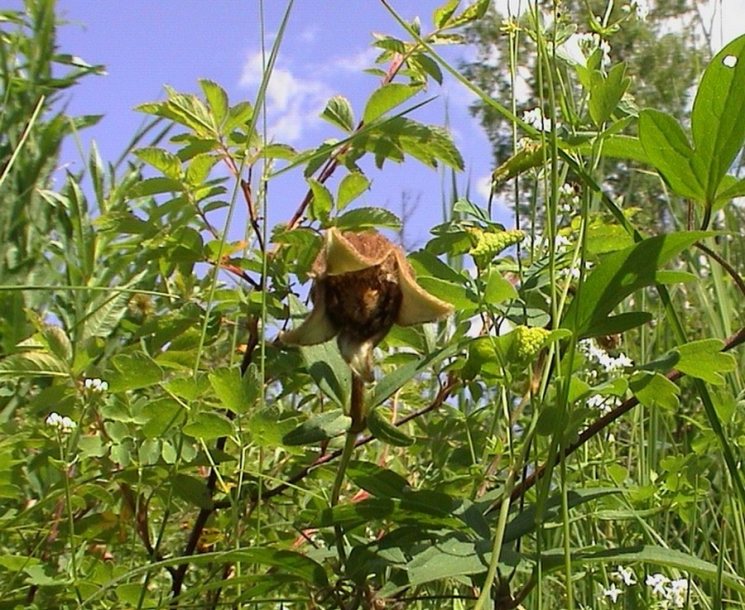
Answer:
(343, 257)
(317, 327)
(418, 306)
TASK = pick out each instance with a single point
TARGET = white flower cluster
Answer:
(535, 118)
(96, 386)
(604, 404)
(571, 198)
(63, 424)
(670, 593)
(595, 353)
(623, 576)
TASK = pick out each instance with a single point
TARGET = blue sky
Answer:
(146, 44)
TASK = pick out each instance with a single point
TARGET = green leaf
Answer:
(239, 115)
(606, 92)
(322, 202)
(199, 168)
(620, 274)
(162, 160)
(33, 363)
(155, 186)
(378, 421)
(365, 218)
(729, 188)
(386, 98)
(498, 289)
(351, 187)
(668, 149)
(268, 426)
(378, 481)
(328, 370)
(237, 393)
(718, 116)
(442, 14)
(133, 371)
(318, 428)
(162, 415)
(620, 323)
(705, 360)
(217, 100)
(391, 383)
(659, 556)
(207, 426)
(338, 111)
(654, 390)
(457, 295)
(192, 490)
(623, 147)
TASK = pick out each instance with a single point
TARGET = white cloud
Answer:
(483, 186)
(293, 102)
(356, 62)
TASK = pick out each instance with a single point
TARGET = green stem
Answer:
(504, 511)
(357, 413)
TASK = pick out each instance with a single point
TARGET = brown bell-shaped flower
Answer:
(362, 285)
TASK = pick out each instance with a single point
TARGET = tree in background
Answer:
(662, 45)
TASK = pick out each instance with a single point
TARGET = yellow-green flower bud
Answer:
(529, 341)
(488, 244)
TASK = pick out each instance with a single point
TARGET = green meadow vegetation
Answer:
(544, 413)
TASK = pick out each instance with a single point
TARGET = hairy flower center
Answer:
(363, 305)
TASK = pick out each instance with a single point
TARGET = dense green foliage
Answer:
(571, 436)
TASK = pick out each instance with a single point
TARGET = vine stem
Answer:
(357, 414)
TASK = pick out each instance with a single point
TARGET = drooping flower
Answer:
(362, 285)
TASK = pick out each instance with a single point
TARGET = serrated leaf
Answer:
(155, 186)
(217, 100)
(207, 426)
(239, 115)
(33, 363)
(199, 168)
(704, 360)
(365, 218)
(162, 160)
(318, 428)
(351, 187)
(338, 111)
(133, 371)
(322, 202)
(236, 392)
(378, 421)
(386, 98)
(442, 14)
(162, 415)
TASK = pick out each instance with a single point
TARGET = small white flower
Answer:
(612, 593)
(96, 386)
(63, 424)
(659, 583)
(625, 575)
(536, 119)
(679, 592)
